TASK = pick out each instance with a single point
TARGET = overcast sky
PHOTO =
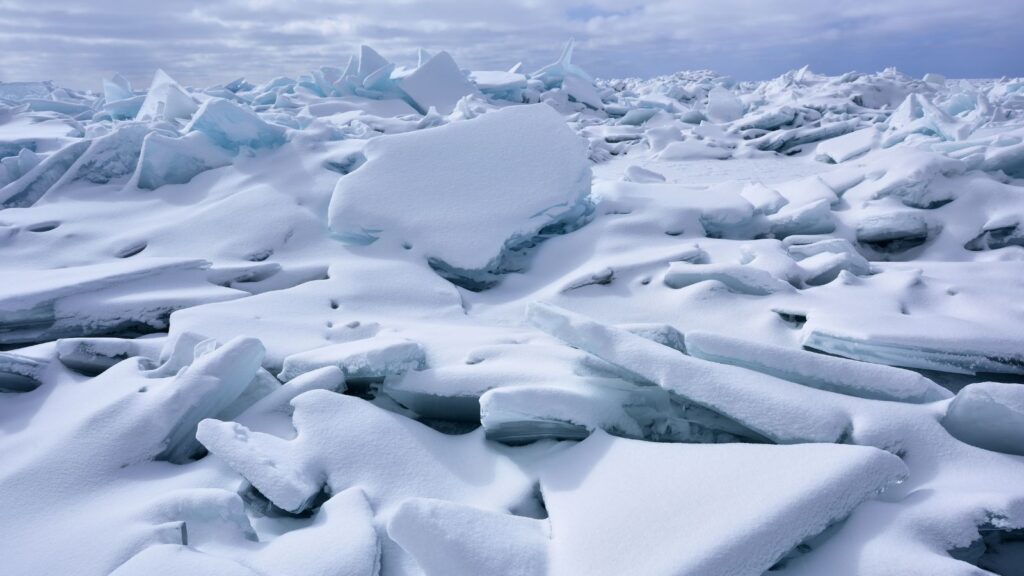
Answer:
(202, 42)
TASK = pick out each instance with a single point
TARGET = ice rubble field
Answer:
(417, 320)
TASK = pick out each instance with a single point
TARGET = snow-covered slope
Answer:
(423, 320)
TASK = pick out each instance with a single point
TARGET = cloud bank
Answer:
(201, 42)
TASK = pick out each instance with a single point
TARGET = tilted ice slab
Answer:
(134, 296)
(849, 377)
(468, 195)
(766, 405)
(943, 344)
(620, 506)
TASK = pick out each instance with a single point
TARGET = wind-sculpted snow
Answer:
(410, 319)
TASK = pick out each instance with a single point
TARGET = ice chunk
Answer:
(764, 199)
(893, 232)
(92, 356)
(812, 218)
(437, 84)
(369, 62)
(996, 238)
(723, 106)
(28, 189)
(912, 176)
(20, 373)
(131, 296)
(117, 88)
(343, 442)
(366, 359)
(848, 146)
(555, 73)
(743, 395)
(109, 157)
(928, 347)
(988, 415)
(641, 175)
(449, 539)
(1008, 159)
(167, 160)
(498, 82)
(17, 165)
(786, 140)
(918, 115)
(166, 100)
(518, 173)
(582, 91)
(840, 375)
(738, 278)
(231, 126)
(209, 385)
(741, 506)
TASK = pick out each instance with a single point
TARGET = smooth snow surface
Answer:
(420, 320)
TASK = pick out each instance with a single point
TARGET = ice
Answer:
(742, 508)
(918, 115)
(365, 359)
(893, 232)
(924, 351)
(438, 83)
(481, 206)
(231, 126)
(555, 73)
(455, 540)
(34, 184)
(723, 106)
(848, 146)
(19, 373)
(128, 296)
(840, 375)
(92, 356)
(764, 199)
(117, 88)
(170, 160)
(738, 278)
(166, 100)
(989, 415)
(109, 157)
(730, 391)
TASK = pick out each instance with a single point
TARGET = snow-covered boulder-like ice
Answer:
(518, 174)
(989, 415)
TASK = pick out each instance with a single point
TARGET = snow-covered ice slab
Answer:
(729, 510)
(131, 296)
(518, 174)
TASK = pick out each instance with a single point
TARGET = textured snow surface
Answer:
(419, 320)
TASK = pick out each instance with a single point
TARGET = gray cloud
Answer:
(201, 42)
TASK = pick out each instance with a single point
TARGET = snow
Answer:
(451, 209)
(398, 317)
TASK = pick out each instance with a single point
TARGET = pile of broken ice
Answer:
(422, 320)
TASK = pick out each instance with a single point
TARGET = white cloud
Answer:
(77, 42)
